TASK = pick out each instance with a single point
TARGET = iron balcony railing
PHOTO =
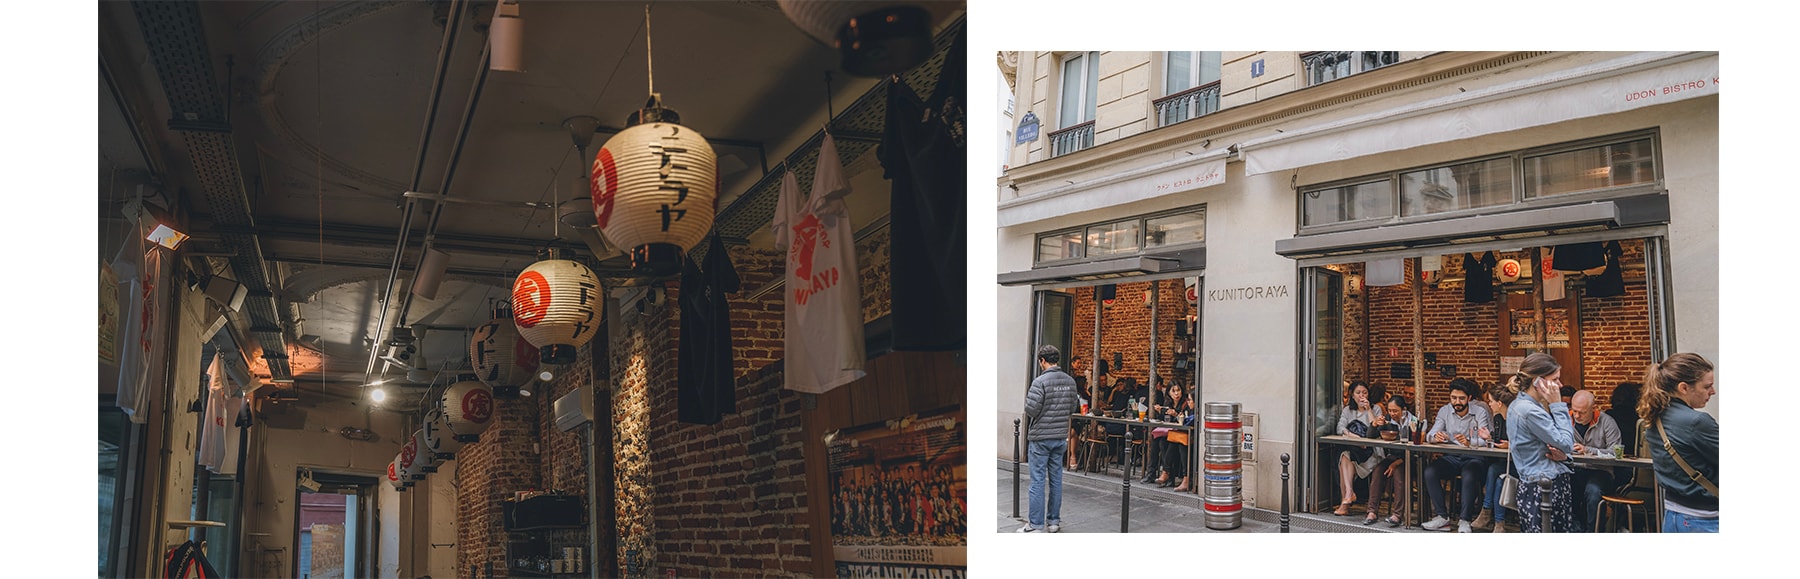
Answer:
(1072, 139)
(1187, 104)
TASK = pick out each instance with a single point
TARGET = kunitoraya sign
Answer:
(1256, 292)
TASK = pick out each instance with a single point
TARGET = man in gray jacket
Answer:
(1048, 404)
(1594, 431)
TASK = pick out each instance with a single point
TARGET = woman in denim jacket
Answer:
(1542, 438)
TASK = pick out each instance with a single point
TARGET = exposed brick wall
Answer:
(488, 472)
(732, 496)
(1615, 332)
(1126, 328)
(872, 263)
(643, 361)
(1355, 352)
(705, 500)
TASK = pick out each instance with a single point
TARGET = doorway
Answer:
(334, 533)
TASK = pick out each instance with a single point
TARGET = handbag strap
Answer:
(1693, 474)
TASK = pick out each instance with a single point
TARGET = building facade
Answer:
(1317, 209)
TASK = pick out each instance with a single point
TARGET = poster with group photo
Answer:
(1523, 333)
(899, 497)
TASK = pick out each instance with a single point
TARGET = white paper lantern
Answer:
(876, 38)
(654, 186)
(468, 407)
(393, 474)
(556, 306)
(438, 440)
(409, 462)
(1510, 270)
(502, 358)
(427, 461)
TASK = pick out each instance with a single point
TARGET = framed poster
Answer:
(899, 497)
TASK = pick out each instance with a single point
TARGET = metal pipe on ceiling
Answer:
(445, 48)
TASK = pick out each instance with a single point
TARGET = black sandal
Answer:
(1369, 520)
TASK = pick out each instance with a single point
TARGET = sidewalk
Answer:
(1091, 505)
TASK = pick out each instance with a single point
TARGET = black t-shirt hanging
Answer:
(1578, 257)
(705, 387)
(1610, 282)
(923, 155)
(1478, 278)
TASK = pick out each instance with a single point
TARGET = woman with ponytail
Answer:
(1683, 441)
(1542, 438)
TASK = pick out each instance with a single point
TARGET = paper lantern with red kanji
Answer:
(393, 474)
(409, 462)
(653, 187)
(468, 407)
(502, 358)
(556, 305)
(438, 440)
(426, 461)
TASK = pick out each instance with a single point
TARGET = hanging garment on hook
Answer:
(823, 338)
(705, 382)
(923, 154)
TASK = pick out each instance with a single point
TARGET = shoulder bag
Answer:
(1693, 474)
(1509, 488)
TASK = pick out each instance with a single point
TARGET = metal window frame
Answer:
(1308, 61)
(1082, 93)
(1519, 202)
(1037, 260)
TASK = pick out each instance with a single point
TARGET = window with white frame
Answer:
(1327, 66)
(1189, 69)
(1190, 86)
(1080, 82)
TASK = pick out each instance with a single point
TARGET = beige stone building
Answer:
(1316, 209)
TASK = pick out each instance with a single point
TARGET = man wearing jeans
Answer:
(1465, 424)
(1048, 404)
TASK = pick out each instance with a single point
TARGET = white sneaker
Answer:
(1027, 529)
(1054, 528)
(1436, 524)
(1463, 527)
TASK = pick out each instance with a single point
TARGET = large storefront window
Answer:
(1475, 313)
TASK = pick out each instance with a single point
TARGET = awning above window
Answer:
(1612, 213)
(1616, 85)
(1166, 178)
(1125, 267)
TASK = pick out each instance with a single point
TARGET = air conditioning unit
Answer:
(573, 409)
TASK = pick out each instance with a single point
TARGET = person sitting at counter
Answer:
(1358, 419)
(1386, 477)
(1624, 413)
(1463, 423)
(1594, 432)
(1174, 446)
(1160, 409)
(1492, 513)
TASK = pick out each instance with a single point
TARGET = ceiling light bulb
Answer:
(378, 395)
(546, 375)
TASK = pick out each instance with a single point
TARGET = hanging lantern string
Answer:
(830, 111)
(649, 57)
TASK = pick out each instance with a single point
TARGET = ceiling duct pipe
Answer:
(451, 28)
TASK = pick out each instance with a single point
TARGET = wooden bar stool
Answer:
(1633, 509)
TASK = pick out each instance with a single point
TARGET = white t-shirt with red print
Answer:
(823, 338)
